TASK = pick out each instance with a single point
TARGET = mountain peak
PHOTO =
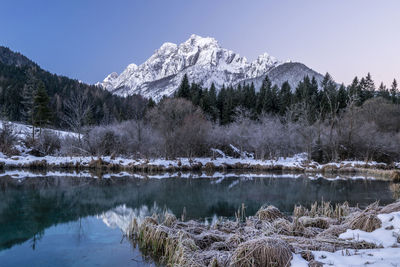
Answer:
(202, 59)
(165, 47)
(197, 40)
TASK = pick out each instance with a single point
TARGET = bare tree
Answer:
(77, 109)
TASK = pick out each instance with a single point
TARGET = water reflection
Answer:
(30, 206)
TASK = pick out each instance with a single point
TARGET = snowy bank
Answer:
(297, 164)
(324, 235)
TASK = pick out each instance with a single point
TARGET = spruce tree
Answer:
(27, 99)
(28, 103)
(42, 113)
(342, 97)
(367, 88)
(383, 91)
(393, 92)
(328, 103)
(212, 98)
(266, 86)
(250, 97)
(184, 88)
(220, 104)
(355, 93)
(285, 98)
(271, 100)
(151, 103)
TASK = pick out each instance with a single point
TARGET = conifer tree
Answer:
(342, 97)
(28, 103)
(220, 104)
(42, 113)
(393, 92)
(266, 86)
(184, 88)
(212, 99)
(355, 93)
(285, 98)
(271, 100)
(151, 103)
(196, 94)
(27, 99)
(250, 97)
(328, 103)
(367, 88)
(383, 91)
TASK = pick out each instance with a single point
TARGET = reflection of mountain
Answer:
(121, 216)
(29, 206)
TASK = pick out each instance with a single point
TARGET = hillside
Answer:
(17, 72)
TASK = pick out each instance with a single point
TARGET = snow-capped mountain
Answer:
(202, 59)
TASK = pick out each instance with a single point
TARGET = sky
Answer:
(88, 39)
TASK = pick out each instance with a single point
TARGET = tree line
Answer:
(320, 100)
(34, 96)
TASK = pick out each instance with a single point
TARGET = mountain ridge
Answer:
(11, 58)
(205, 62)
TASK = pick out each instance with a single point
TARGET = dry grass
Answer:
(269, 214)
(395, 189)
(391, 207)
(265, 251)
(266, 239)
(169, 219)
(367, 220)
(323, 209)
(318, 222)
(395, 176)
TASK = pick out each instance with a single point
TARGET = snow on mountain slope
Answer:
(292, 72)
(201, 58)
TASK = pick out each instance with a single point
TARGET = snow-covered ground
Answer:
(23, 129)
(388, 255)
(298, 162)
(385, 236)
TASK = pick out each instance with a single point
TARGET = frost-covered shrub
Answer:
(266, 138)
(140, 139)
(102, 141)
(182, 126)
(8, 139)
(71, 146)
(47, 143)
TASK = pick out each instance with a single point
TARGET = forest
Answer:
(23, 84)
(329, 121)
(330, 124)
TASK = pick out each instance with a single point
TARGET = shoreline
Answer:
(291, 165)
(325, 234)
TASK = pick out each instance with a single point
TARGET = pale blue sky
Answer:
(87, 40)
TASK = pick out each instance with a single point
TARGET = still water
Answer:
(72, 221)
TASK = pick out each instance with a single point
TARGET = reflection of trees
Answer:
(80, 231)
(34, 204)
(36, 237)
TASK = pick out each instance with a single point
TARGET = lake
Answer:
(73, 221)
